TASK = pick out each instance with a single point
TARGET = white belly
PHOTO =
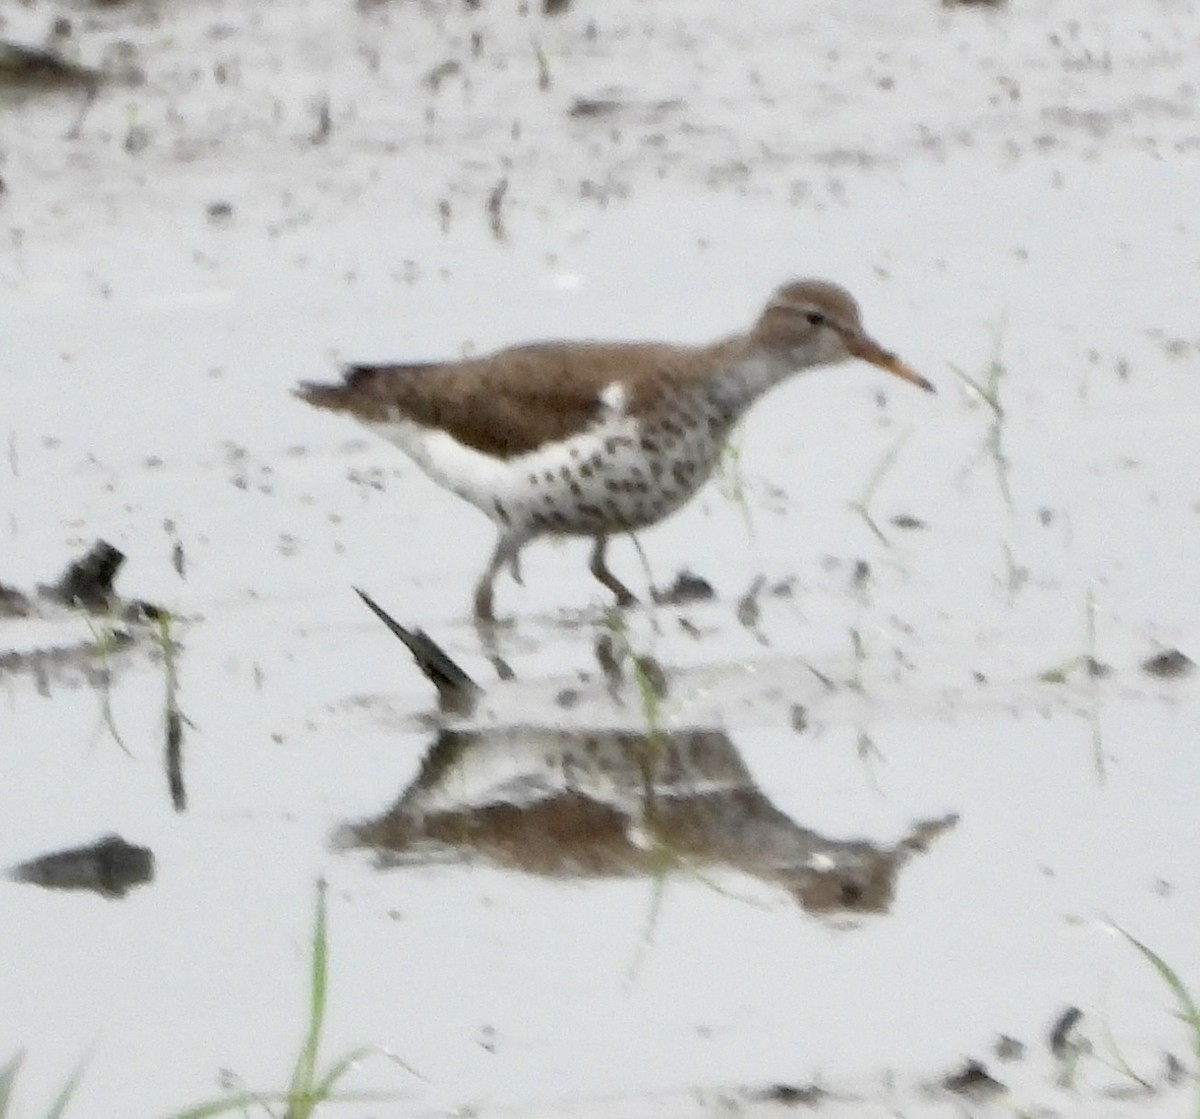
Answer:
(596, 482)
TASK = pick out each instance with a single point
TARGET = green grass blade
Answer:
(1119, 1063)
(731, 481)
(862, 504)
(658, 890)
(8, 1078)
(63, 1099)
(308, 1088)
(1186, 1009)
(988, 393)
(859, 508)
(104, 640)
(306, 1061)
(263, 1100)
(324, 1087)
(240, 1102)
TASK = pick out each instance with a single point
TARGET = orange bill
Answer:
(869, 350)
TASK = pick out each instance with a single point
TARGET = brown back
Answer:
(514, 401)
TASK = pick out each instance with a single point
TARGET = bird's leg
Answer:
(507, 550)
(514, 568)
(597, 566)
(483, 598)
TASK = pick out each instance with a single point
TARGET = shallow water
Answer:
(145, 377)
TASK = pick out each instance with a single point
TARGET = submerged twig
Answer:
(173, 717)
(1094, 669)
(987, 389)
(457, 692)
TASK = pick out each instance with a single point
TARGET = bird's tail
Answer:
(332, 397)
(360, 384)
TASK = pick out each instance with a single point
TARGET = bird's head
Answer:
(813, 322)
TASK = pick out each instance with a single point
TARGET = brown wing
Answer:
(511, 402)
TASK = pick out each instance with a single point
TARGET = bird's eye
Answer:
(815, 318)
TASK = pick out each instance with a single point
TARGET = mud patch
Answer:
(86, 586)
(110, 867)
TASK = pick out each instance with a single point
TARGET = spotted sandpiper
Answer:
(594, 438)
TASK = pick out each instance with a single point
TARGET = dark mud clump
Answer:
(89, 584)
(13, 604)
(88, 581)
(793, 1095)
(1168, 665)
(687, 587)
(1060, 1041)
(110, 866)
(973, 1081)
(33, 69)
(86, 584)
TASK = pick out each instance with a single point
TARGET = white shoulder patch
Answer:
(613, 397)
